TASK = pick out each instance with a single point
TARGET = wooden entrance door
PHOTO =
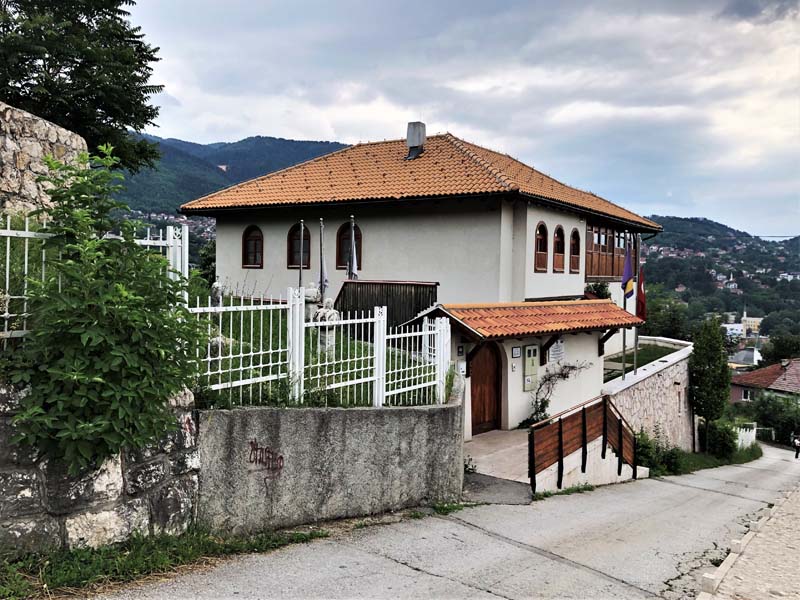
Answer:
(485, 389)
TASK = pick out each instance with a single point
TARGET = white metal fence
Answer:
(267, 351)
(23, 257)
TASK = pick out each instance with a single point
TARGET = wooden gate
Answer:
(485, 377)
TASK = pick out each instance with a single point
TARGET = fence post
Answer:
(171, 250)
(379, 345)
(426, 340)
(442, 350)
(295, 341)
(621, 442)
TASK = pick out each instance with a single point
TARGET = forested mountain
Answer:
(187, 170)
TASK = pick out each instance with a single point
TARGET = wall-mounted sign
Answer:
(529, 368)
(556, 352)
(516, 352)
(462, 367)
(460, 350)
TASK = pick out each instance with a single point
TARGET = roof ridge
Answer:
(527, 304)
(499, 175)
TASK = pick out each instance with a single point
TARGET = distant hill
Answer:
(188, 170)
(694, 232)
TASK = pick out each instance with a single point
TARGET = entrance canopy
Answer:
(500, 320)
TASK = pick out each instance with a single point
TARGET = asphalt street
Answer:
(643, 539)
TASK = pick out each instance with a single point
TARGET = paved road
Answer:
(642, 539)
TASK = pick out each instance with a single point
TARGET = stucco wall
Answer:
(266, 468)
(658, 396)
(145, 491)
(25, 140)
(454, 243)
(516, 403)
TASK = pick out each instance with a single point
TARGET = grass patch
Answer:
(647, 353)
(447, 508)
(701, 460)
(66, 571)
(575, 489)
(416, 514)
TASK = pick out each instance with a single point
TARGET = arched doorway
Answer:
(485, 389)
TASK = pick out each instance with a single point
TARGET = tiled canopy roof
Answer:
(774, 377)
(378, 171)
(516, 319)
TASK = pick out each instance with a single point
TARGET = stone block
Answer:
(139, 478)
(11, 454)
(98, 528)
(9, 399)
(32, 534)
(20, 493)
(65, 493)
(183, 399)
(172, 507)
(184, 462)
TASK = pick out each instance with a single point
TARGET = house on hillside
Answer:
(501, 239)
(484, 225)
(782, 379)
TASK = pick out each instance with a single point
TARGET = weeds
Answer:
(575, 489)
(33, 575)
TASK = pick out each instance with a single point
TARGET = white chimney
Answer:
(415, 139)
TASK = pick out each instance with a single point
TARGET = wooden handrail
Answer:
(567, 412)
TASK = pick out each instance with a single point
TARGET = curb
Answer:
(711, 581)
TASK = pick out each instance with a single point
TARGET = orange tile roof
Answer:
(515, 319)
(774, 377)
(378, 171)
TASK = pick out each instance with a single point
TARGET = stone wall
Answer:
(25, 140)
(148, 491)
(266, 468)
(658, 396)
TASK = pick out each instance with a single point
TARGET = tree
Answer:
(111, 340)
(709, 377)
(780, 347)
(83, 66)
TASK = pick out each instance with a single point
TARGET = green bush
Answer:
(110, 339)
(721, 440)
(781, 413)
(654, 454)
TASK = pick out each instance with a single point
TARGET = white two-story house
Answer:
(485, 226)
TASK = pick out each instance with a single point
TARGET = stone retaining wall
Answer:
(266, 468)
(657, 398)
(147, 491)
(25, 140)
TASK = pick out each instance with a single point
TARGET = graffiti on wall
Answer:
(266, 459)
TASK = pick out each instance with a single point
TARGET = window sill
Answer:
(252, 266)
(297, 268)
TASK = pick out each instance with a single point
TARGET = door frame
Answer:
(498, 384)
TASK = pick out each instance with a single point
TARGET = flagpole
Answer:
(624, 307)
(300, 270)
(638, 243)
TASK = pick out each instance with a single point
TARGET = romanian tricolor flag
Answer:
(627, 273)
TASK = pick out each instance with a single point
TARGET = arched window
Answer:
(343, 243)
(558, 250)
(540, 254)
(252, 248)
(575, 252)
(293, 248)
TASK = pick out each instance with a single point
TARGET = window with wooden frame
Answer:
(343, 246)
(540, 253)
(293, 248)
(558, 250)
(252, 248)
(575, 252)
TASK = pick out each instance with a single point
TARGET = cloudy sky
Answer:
(679, 107)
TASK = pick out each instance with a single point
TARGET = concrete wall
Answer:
(25, 140)
(658, 395)
(147, 491)
(455, 243)
(266, 468)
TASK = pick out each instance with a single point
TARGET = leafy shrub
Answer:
(111, 340)
(654, 454)
(783, 414)
(721, 440)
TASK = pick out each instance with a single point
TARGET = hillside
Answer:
(697, 233)
(188, 170)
